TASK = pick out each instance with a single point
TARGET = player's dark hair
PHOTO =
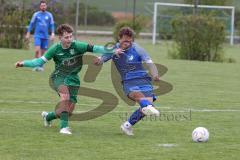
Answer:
(126, 31)
(64, 28)
(42, 1)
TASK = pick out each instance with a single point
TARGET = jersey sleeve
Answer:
(49, 54)
(105, 57)
(144, 55)
(51, 23)
(81, 47)
(147, 59)
(30, 27)
(37, 62)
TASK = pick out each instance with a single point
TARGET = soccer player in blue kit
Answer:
(136, 82)
(42, 21)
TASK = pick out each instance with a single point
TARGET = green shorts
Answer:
(72, 82)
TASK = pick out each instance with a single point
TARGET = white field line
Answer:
(90, 105)
(173, 111)
(47, 102)
(167, 145)
(55, 103)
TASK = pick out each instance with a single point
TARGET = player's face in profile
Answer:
(66, 39)
(125, 42)
(43, 7)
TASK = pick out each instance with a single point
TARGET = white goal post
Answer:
(156, 4)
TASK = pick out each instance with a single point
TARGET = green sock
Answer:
(64, 120)
(51, 116)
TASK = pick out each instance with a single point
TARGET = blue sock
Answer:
(144, 103)
(135, 117)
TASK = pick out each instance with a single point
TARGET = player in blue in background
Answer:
(136, 81)
(42, 21)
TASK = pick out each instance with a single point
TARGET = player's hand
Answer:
(156, 78)
(19, 64)
(27, 36)
(118, 52)
(52, 37)
(97, 61)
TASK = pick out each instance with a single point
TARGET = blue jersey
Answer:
(42, 22)
(129, 64)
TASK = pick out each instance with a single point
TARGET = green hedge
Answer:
(237, 20)
(198, 38)
(140, 22)
(12, 26)
(14, 18)
(95, 16)
(211, 2)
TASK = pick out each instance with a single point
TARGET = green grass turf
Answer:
(209, 90)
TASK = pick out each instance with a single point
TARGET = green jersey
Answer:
(68, 62)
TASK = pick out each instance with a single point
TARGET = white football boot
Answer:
(150, 110)
(44, 117)
(65, 131)
(127, 130)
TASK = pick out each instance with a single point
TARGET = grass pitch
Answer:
(204, 94)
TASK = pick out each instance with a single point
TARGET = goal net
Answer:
(164, 13)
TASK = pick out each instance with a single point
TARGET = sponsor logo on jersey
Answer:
(60, 54)
(130, 57)
(72, 52)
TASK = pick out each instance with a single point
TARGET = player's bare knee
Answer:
(65, 97)
(149, 99)
(136, 96)
(64, 93)
(63, 89)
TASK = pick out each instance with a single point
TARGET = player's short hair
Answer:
(42, 1)
(64, 28)
(126, 31)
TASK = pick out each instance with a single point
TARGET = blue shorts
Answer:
(43, 43)
(142, 85)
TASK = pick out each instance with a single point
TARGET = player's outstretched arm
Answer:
(102, 59)
(147, 59)
(96, 49)
(37, 62)
(153, 70)
(105, 50)
(19, 64)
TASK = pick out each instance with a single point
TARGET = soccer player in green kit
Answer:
(67, 55)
